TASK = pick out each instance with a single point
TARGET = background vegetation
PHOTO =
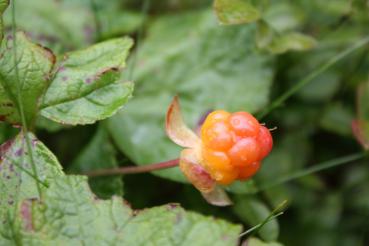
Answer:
(301, 66)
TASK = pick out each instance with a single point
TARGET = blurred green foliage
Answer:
(181, 49)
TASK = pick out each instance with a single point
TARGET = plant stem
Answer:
(258, 226)
(20, 102)
(314, 169)
(133, 169)
(274, 214)
(280, 100)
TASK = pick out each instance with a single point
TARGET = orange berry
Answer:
(248, 171)
(217, 136)
(225, 177)
(216, 116)
(265, 141)
(244, 152)
(244, 124)
(216, 160)
(233, 145)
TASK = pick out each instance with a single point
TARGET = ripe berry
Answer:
(217, 160)
(248, 171)
(244, 152)
(266, 141)
(244, 124)
(218, 136)
(233, 145)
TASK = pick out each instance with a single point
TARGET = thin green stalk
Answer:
(278, 211)
(281, 99)
(314, 169)
(20, 102)
(258, 226)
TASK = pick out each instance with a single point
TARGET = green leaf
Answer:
(320, 89)
(208, 66)
(69, 24)
(292, 41)
(278, 43)
(84, 88)
(7, 132)
(70, 215)
(257, 242)
(17, 178)
(230, 12)
(242, 187)
(3, 5)
(49, 125)
(34, 71)
(253, 212)
(115, 22)
(283, 16)
(56, 24)
(282, 161)
(99, 154)
(337, 118)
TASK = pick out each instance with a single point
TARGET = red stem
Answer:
(133, 169)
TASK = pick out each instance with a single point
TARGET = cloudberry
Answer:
(233, 145)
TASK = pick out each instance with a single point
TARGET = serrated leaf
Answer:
(208, 66)
(84, 88)
(71, 215)
(17, 182)
(252, 211)
(231, 12)
(34, 71)
(3, 5)
(49, 125)
(99, 154)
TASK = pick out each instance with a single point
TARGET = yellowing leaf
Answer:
(231, 12)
